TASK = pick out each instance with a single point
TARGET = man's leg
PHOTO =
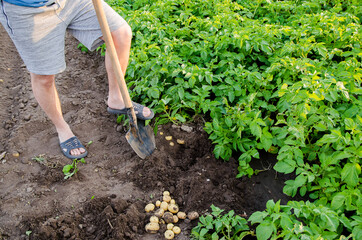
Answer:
(122, 39)
(47, 96)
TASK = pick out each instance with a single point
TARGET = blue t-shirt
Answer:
(28, 3)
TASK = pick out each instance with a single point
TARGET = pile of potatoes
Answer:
(166, 212)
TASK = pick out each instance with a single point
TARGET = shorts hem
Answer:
(96, 43)
(47, 72)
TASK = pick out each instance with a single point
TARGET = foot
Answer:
(70, 145)
(66, 134)
(141, 111)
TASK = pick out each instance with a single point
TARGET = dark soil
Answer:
(106, 198)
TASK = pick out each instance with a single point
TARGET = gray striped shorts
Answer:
(39, 33)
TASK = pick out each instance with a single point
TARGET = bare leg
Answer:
(122, 41)
(47, 96)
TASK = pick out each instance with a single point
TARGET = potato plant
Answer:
(221, 226)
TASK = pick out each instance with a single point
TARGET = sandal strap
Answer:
(137, 107)
(70, 144)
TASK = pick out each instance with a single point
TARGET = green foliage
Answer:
(277, 76)
(70, 169)
(221, 226)
(296, 220)
(300, 220)
(39, 158)
(83, 48)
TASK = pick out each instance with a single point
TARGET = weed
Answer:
(71, 169)
(89, 143)
(46, 162)
(40, 158)
(83, 48)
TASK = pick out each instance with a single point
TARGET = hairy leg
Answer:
(122, 38)
(47, 96)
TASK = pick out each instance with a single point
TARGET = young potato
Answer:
(193, 215)
(173, 208)
(152, 227)
(168, 217)
(173, 201)
(166, 198)
(169, 234)
(154, 219)
(164, 206)
(170, 226)
(149, 207)
(159, 212)
(176, 230)
(166, 193)
(181, 215)
(175, 219)
(158, 203)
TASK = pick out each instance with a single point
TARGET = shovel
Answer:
(139, 136)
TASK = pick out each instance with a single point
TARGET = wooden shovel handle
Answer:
(111, 50)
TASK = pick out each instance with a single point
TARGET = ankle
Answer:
(64, 133)
(115, 103)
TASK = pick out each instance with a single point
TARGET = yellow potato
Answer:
(16, 154)
(159, 212)
(181, 215)
(152, 227)
(166, 198)
(176, 229)
(173, 201)
(168, 138)
(168, 217)
(193, 215)
(154, 219)
(166, 193)
(170, 226)
(169, 234)
(180, 141)
(164, 206)
(173, 208)
(158, 203)
(175, 219)
(149, 207)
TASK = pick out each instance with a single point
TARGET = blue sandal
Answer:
(70, 144)
(138, 109)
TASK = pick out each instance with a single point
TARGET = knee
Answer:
(123, 34)
(42, 80)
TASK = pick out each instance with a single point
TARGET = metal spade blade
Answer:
(141, 139)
